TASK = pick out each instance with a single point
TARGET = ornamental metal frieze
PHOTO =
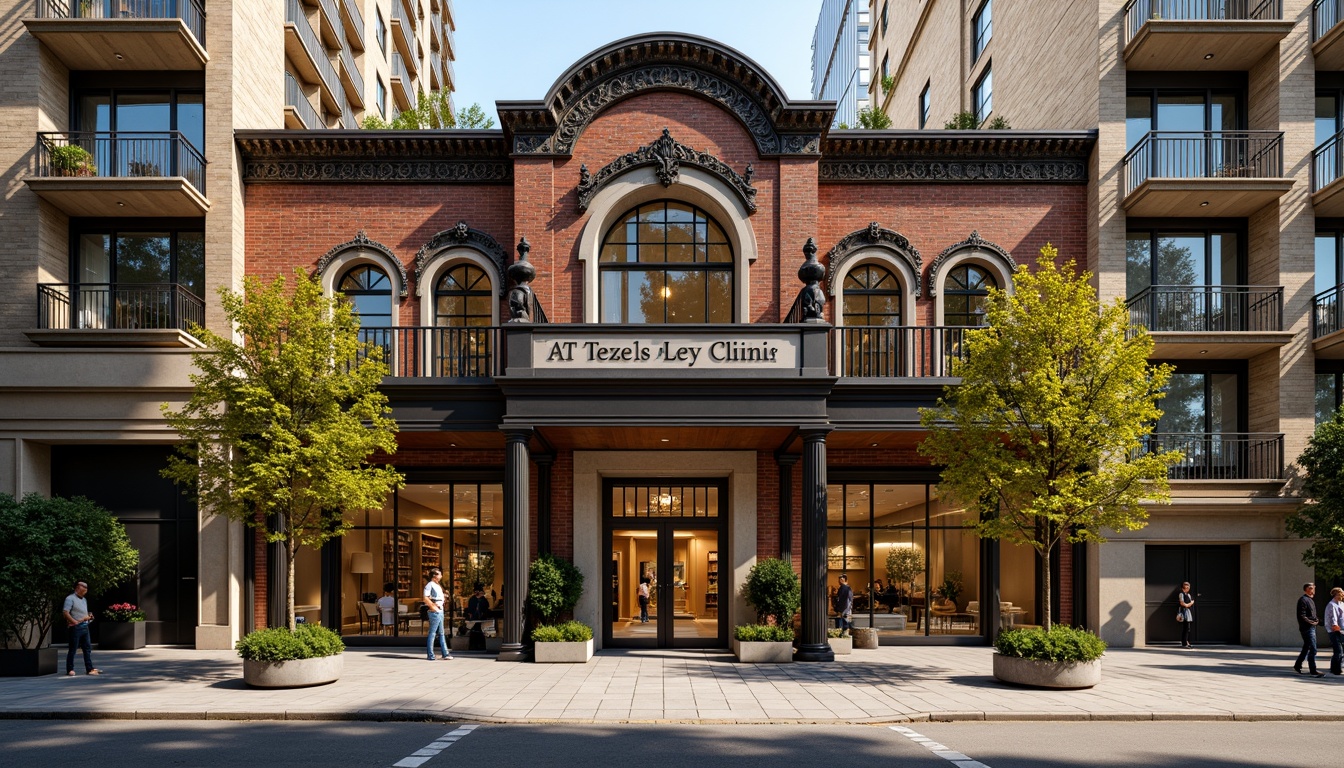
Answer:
(874, 235)
(666, 155)
(451, 171)
(460, 235)
(974, 242)
(363, 243)
(937, 170)
(672, 77)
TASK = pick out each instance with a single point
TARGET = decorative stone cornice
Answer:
(957, 156)
(461, 235)
(666, 155)
(363, 243)
(974, 242)
(873, 235)
(375, 156)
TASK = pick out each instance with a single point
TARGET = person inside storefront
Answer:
(844, 604)
(477, 611)
(387, 606)
(644, 600)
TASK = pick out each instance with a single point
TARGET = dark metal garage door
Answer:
(1214, 574)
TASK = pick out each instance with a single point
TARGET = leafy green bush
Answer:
(832, 632)
(308, 641)
(554, 586)
(569, 632)
(773, 589)
(1059, 643)
(760, 633)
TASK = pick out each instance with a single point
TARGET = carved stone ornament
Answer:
(522, 273)
(873, 235)
(812, 300)
(976, 243)
(462, 235)
(916, 171)
(666, 155)
(410, 171)
(363, 243)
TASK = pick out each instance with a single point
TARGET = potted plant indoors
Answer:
(1060, 657)
(71, 160)
(46, 545)
(773, 590)
(840, 642)
(554, 587)
(279, 658)
(950, 590)
(904, 566)
(122, 628)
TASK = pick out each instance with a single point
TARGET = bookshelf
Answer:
(431, 552)
(712, 584)
(397, 562)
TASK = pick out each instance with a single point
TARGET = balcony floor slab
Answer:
(1329, 200)
(107, 337)
(1226, 197)
(1329, 50)
(107, 196)
(1228, 345)
(1329, 346)
(143, 44)
(1171, 45)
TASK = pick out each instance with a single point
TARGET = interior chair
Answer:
(370, 615)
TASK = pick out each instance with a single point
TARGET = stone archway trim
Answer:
(873, 236)
(363, 243)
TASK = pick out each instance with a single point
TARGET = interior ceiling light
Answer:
(664, 440)
(872, 445)
(119, 56)
(1208, 56)
(1204, 204)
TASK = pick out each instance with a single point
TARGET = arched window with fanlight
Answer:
(965, 295)
(872, 316)
(666, 262)
(369, 291)
(463, 314)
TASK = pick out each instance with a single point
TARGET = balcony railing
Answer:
(118, 306)
(1204, 155)
(463, 353)
(1325, 14)
(1140, 12)
(348, 62)
(896, 351)
(1326, 315)
(357, 21)
(1208, 308)
(1221, 455)
(120, 154)
(312, 44)
(191, 12)
(1327, 162)
(399, 69)
(294, 98)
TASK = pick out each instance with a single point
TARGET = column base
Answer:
(814, 652)
(514, 652)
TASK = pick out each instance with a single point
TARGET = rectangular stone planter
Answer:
(763, 653)
(121, 635)
(841, 645)
(563, 653)
(27, 662)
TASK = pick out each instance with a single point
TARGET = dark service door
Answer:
(1214, 573)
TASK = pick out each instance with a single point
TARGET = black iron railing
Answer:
(191, 12)
(118, 306)
(120, 154)
(896, 351)
(1208, 308)
(1325, 313)
(462, 353)
(1327, 162)
(1221, 455)
(1325, 14)
(1204, 155)
(1140, 12)
(294, 97)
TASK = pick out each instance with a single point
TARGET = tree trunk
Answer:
(289, 584)
(1045, 586)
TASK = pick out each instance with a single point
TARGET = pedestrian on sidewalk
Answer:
(1306, 625)
(77, 618)
(1334, 623)
(644, 600)
(844, 604)
(433, 597)
(1183, 613)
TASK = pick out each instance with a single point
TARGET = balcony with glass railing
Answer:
(1220, 455)
(120, 173)
(306, 51)
(117, 314)
(123, 34)
(1204, 173)
(1193, 35)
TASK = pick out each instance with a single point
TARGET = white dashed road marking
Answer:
(954, 757)
(445, 741)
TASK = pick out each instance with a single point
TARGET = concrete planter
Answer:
(1047, 674)
(298, 673)
(121, 635)
(841, 645)
(763, 653)
(864, 637)
(563, 653)
(27, 662)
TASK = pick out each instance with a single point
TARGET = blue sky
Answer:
(515, 50)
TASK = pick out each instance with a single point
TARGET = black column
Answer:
(544, 463)
(515, 541)
(814, 646)
(786, 462)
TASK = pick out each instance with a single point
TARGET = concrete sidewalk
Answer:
(887, 685)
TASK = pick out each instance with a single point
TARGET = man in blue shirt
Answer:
(1334, 623)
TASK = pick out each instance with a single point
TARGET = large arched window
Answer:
(965, 295)
(463, 298)
(872, 346)
(368, 289)
(872, 296)
(666, 262)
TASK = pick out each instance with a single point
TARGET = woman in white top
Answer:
(387, 605)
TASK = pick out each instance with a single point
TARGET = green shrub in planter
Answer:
(569, 632)
(773, 589)
(307, 641)
(1059, 643)
(833, 632)
(554, 586)
(760, 633)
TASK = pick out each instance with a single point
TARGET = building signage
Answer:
(720, 352)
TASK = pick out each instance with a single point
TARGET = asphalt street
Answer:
(150, 744)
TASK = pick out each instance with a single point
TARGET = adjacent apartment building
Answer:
(1213, 212)
(123, 215)
(840, 58)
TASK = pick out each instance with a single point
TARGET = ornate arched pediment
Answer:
(873, 236)
(976, 243)
(461, 235)
(667, 155)
(380, 252)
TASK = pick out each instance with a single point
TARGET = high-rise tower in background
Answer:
(840, 58)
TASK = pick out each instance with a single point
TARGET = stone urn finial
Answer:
(812, 299)
(522, 273)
